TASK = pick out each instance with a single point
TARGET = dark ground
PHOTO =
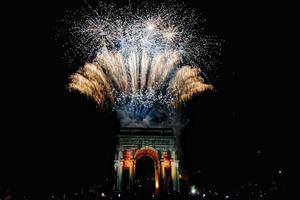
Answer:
(239, 139)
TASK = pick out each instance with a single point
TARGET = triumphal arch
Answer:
(138, 151)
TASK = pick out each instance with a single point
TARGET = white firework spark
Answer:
(142, 62)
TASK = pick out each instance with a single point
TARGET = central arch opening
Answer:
(145, 175)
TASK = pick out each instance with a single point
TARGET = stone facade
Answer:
(160, 145)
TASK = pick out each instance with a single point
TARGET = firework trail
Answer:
(142, 63)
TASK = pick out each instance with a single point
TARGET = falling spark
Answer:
(142, 63)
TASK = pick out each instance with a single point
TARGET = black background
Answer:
(53, 140)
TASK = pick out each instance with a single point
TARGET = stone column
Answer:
(157, 175)
(130, 174)
(118, 166)
(119, 170)
(175, 173)
(163, 175)
(134, 167)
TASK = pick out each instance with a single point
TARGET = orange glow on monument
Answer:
(167, 163)
(156, 184)
(134, 144)
(127, 159)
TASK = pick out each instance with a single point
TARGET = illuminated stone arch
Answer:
(159, 144)
(154, 154)
(147, 151)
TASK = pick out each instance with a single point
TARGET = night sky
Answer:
(56, 141)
